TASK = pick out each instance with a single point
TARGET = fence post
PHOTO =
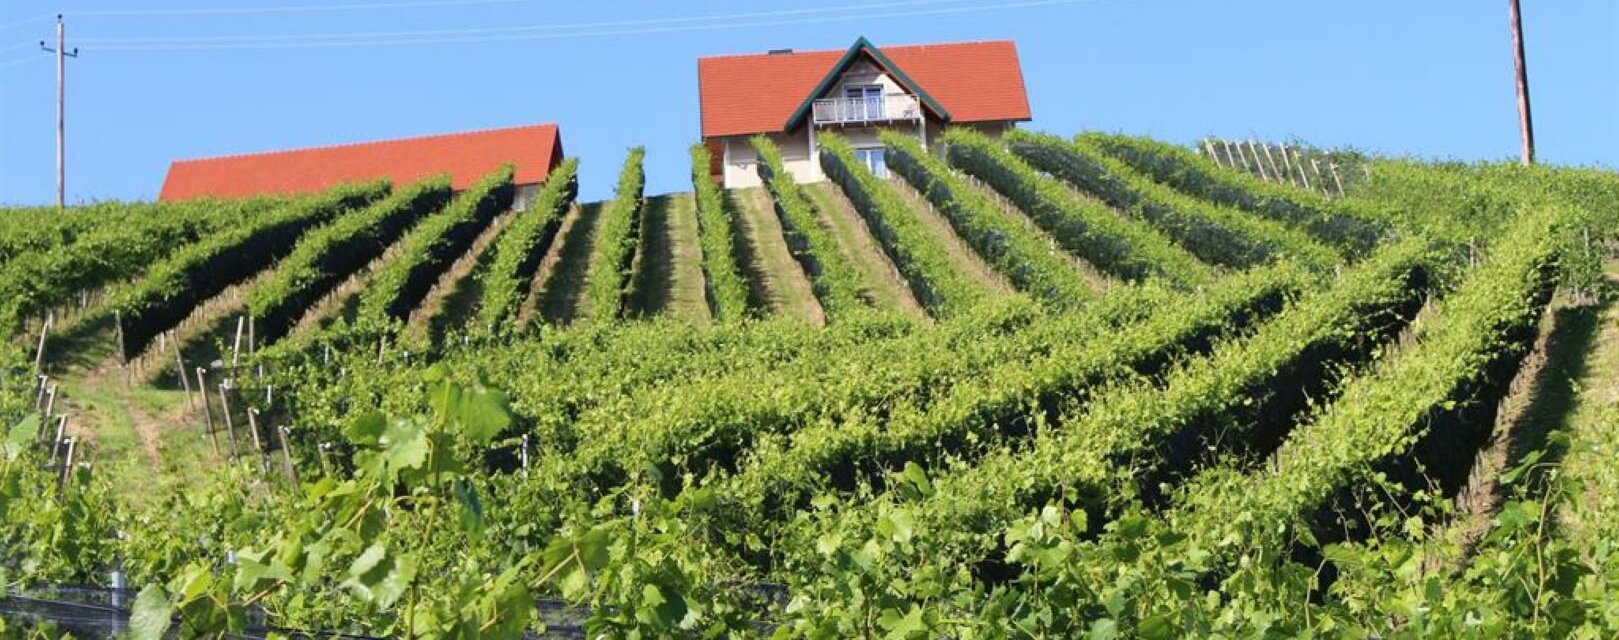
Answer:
(253, 428)
(44, 331)
(180, 368)
(207, 408)
(224, 408)
(236, 345)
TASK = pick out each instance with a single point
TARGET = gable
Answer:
(748, 94)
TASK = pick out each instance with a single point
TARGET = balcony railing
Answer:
(894, 106)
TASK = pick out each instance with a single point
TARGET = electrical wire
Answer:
(361, 40)
(25, 21)
(290, 9)
(519, 29)
(13, 63)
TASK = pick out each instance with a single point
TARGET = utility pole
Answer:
(1526, 126)
(62, 54)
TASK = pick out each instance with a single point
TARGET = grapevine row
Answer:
(172, 288)
(727, 291)
(1119, 246)
(607, 277)
(427, 249)
(1022, 254)
(1215, 234)
(327, 255)
(521, 246)
(837, 284)
(937, 284)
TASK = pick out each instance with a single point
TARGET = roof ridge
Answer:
(723, 56)
(345, 145)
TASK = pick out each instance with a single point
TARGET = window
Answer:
(865, 101)
(873, 158)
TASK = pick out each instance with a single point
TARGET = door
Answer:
(866, 102)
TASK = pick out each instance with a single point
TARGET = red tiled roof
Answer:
(534, 149)
(747, 94)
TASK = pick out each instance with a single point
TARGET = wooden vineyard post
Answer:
(286, 453)
(67, 466)
(44, 331)
(1298, 161)
(1274, 170)
(1253, 149)
(224, 409)
(180, 369)
(1333, 166)
(207, 408)
(252, 342)
(56, 445)
(1315, 165)
(50, 402)
(118, 322)
(253, 428)
(39, 390)
(236, 345)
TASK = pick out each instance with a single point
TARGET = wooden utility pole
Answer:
(62, 54)
(1526, 125)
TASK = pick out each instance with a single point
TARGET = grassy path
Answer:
(783, 286)
(669, 270)
(1592, 428)
(882, 281)
(565, 275)
(965, 258)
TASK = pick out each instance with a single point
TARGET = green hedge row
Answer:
(427, 249)
(1216, 234)
(717, 234)
(607, 278)
(325, 256)
(124, 246)
(1341, 223)
(1011, 398)
(521, 246)
(1025, 256)
(173, 288)
(1118, 246)
(925, 263)
(837, 284)
(1122, 441)
(1471, 344)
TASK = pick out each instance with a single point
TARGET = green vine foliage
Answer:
(1024, 255)
(718, 234)
(607, 280)
(837, 284)
(518, 251)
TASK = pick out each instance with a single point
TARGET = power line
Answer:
(485, 35)
(290, 9)
(24, 22)
(13, 63)
(519, 29)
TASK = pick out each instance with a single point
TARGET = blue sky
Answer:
(1431, 78)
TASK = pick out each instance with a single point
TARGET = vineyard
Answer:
(1031, 387)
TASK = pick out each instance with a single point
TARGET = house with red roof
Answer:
(792, 96)
(534, 150)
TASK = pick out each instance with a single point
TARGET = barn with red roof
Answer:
(534, 150)
(791, 96)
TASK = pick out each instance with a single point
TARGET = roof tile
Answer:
(534, 149)
(756, 93)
